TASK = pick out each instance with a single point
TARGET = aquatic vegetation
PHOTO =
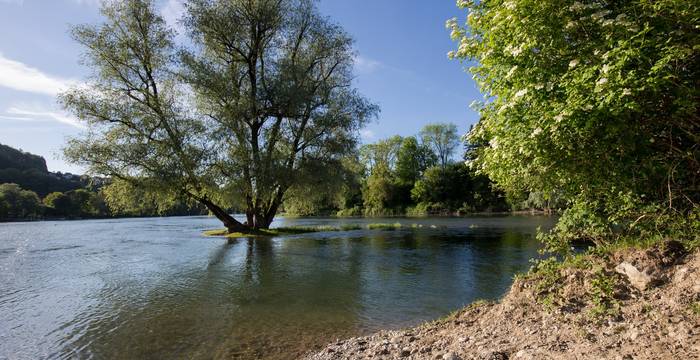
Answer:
(384, 226)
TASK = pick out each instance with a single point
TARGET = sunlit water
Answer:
(156, 288)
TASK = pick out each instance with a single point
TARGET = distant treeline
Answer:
(28, 191)
(413, 175)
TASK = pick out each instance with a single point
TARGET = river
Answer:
(157, 288)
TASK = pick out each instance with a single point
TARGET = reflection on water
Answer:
(155, 288)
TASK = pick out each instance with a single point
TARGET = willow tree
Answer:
(595, 100)
(262, 95)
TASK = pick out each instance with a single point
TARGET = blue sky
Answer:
(401, 65)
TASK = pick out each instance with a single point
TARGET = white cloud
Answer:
(18, 76)
(367, 134)
(38, 114)
(365, 65)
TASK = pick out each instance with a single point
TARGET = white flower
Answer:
(573, 63)
(559, 117)
(512, 71)
(510, 5)
(521, 93)
(494, 143)
(570, 24)
(576, 6)
(536, 132)
(600, 14)
(588, 107)
(602, 81)
(539, 86)
(463, 3)
(606, 68)
(626, 92)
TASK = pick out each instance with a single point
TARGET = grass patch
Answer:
(384, 226)
(695, 308)
(278, 231)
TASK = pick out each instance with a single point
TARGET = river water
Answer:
(156, 288)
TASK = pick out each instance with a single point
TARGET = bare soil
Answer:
(660, 320)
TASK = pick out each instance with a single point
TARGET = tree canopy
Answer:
(594, 101)
(262, 98)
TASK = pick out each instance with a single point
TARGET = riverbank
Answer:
(630, 304)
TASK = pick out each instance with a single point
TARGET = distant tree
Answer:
(412, 160)
(264, 95)
(58, 204)
(442, 139)
(124, 199)
(456, 188)
(16, 203)
(382, 154)
(379, 194)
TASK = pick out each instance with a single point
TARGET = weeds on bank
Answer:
(695, 308)
(602, 295)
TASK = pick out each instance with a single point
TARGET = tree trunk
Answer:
(231, 224)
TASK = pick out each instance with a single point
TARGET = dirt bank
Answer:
(635, 304)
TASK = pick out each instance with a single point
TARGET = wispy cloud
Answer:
(18, 76)
(22, 113)
(367, 134)
(365, 65)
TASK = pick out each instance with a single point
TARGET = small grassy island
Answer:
(278, 231)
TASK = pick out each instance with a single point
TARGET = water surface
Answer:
(156, 288)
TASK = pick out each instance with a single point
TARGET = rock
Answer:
(451, 356)
(405, 352)
(680, 275)
(495, 355)
(638, 279)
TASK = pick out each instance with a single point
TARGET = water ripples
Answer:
(155, 288)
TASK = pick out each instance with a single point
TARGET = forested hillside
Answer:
(29, 171)
(29, 191)
(18, 159)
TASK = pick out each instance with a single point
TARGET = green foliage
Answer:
(16, 203)
(442, 139)
(412, 160)
(695, 308)
(223, 122)
(384, 226)
(80, 203)
(455, 187)
(326, 188)
(11, 158)
(125, 199)
(602, 295)
(548, 281)
(595, 102)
